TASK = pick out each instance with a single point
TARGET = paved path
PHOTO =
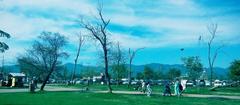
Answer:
(13, 90)
(185, 95)
(54, 88)
(47, 88)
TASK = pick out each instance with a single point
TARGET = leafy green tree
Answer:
(158, 75)
(89, 72)
(118, 58)
(29, 69)
(118, 72)
(194, 67)
(148, 73)
(3, 45)
(173, 73)
(139, 75)
(235, 70)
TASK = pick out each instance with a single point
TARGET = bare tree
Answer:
(99, 33)
(80, 43)
(45, 54)
(131, 54)
(118, 67)
(212, 55)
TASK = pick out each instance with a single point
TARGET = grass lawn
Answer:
(234, 91)
(80, 98)
(97, 87)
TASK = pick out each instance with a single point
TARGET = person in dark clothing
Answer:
(167, 89)
(35, 82)
(138, 85)
(180, 88)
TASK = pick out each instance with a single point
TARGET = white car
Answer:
(218, 83)
(134, 82)
(207, 83)
(125, 82)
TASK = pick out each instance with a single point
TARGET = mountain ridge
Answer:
(135, 68)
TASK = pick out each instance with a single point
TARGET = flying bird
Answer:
(182, 49)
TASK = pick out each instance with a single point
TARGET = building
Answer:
(16, 79)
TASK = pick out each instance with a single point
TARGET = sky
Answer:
(162, 27)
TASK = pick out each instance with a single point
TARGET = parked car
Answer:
(189, 83)
(159, 82)
(125, 82)
(207, 83)
(134, 82)
(202, 83)
(218, 83)
(113, 82)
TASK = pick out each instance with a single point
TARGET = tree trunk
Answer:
(76, 59)
(130, 73)
(210, 64)
(118, 72)
(106, 70)
(74, 70)
(46, 79)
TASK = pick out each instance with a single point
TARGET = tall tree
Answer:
(99, 33)
(173, 73)
(194, 67)
(212, 55)
(235, 70)
(148, 73)
(45, 54)
(80, 43)
(118, 67)
(3, 45)
(158, 75)
(139, 75)
(89, 72)
(131, 54)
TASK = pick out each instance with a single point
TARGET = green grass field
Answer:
(230, 91)
(80, 98)
(234, 91)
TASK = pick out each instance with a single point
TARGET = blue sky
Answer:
(161, 26)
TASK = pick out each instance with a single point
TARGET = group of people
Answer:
(178, 88)
(145, 87)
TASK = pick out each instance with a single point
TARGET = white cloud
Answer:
(162, 15)
(128, 41)
(72, 6)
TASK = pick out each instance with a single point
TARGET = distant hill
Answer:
(223, 72)
(80, 67)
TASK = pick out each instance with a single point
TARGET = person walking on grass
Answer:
(176, 87)
(167, 89)
(180, 88)
(149, 90)
(143, 86)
